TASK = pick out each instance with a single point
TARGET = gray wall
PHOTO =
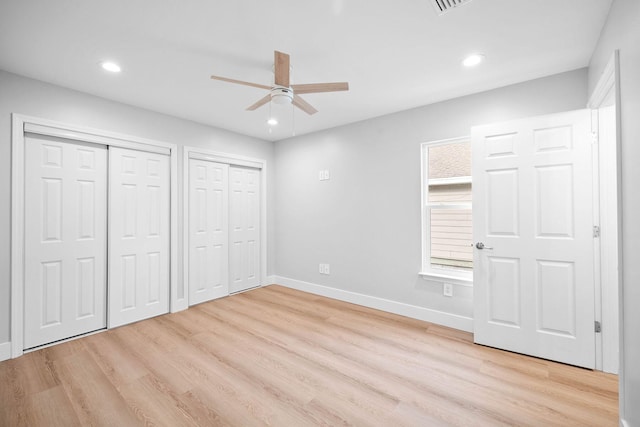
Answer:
(34, 98)
(365, 221)
(622, 31)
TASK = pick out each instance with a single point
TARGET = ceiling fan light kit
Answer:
(282, 92)
(281, 95)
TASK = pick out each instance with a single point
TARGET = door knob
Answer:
(481, 245)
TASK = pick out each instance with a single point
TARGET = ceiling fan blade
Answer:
(303, 105)
(260, 103)
(320, 87)
(240, 82)
(281, 68)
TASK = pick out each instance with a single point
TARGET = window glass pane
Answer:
(450, 193)
(448, 203)
(451, 239)
(450, 160)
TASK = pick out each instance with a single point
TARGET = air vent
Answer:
(443, 6)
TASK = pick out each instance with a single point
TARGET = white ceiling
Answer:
(395, 55)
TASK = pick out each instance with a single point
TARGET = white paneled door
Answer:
(139, 226)
(208, 230)
(65, 239)
(533, 228)
(244, 228)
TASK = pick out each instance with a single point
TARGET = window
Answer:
(446, 208)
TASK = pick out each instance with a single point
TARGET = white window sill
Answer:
(437, 276)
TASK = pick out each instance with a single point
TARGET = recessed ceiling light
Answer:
(272, 122)
(473, 60)
(110, 66)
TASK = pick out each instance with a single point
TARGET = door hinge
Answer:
(596, 231)
(598, 327)
(594, 137)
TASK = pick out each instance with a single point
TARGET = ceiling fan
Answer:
(282, 92)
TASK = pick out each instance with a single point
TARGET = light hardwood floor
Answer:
(276, 356)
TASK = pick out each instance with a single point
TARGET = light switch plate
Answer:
(323, 268)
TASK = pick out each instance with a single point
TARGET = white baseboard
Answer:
(623, 423)
(270, 280)
(429, 315)
(5, 351)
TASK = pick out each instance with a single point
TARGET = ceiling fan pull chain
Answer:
(293, 121)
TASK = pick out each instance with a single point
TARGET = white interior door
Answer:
(208, 230)
(533, 211)
(244, 228)
(65, 239)
(139, 226)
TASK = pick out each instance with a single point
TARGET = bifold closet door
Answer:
(208, 230)
(65, 239)
(244, 228)
(139, 226)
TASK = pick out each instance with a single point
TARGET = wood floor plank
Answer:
(283, 358)
(157, 358)
(278, 356)
(114, 358)
(52, 408)
(247, 356)
(93, 398)
(155, 404)
(31, 375)
(336, 353)
(12, 396)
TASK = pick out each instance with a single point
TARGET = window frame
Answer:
(428, 271)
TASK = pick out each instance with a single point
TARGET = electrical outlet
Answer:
(321, 175)
(327, 270)
(321, 268)
(326, 175)
(447, 289)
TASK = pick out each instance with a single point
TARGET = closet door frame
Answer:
(22, 124)
(231, 160)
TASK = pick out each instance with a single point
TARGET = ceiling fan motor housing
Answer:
(281, 95)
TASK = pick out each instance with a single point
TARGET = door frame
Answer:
(22, 124)
(609, 346)
(231, 160)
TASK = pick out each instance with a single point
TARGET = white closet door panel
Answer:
(65, 239)
(139, 215)
(208, 231)
(244, 228)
